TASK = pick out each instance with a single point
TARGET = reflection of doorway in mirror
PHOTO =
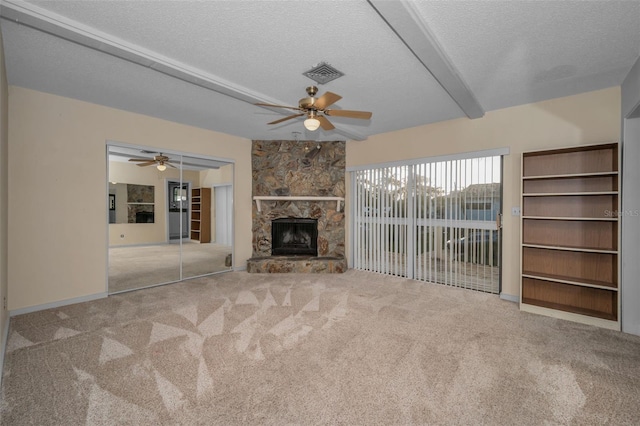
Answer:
(112, 208)
(178, 210)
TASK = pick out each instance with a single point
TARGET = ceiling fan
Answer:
(161, 162)
(316, 110)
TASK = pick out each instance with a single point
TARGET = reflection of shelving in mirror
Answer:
(201, 215)
(569, 234)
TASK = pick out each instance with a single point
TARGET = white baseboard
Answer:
(3, 348)
(510, 297)
(570, 316)
(58, 304)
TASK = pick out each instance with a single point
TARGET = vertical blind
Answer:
(432, 221)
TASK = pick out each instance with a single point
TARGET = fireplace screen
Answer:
(291, 236)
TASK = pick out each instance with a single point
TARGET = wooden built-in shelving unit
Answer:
(201, 215)
(570, 234)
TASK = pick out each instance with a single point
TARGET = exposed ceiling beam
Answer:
(59, 26)
(406, 22)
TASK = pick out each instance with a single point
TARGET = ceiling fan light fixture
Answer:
(312, 124)
(316, 110)
(161, 167)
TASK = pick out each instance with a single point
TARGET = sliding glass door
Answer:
(435, 221)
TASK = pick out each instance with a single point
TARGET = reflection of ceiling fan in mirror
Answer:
(316, 110)
(160, 161)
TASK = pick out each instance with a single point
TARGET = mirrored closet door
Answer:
(167, 219)
(206, 250)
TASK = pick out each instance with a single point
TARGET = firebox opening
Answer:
(294, 236)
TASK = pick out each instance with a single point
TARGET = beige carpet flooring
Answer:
(136, 267)
(355, 348)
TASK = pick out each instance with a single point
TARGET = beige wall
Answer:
(582, 119)
(57, 198)
(4, 315)
(224, 174)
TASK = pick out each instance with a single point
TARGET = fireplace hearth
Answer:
(294, 236)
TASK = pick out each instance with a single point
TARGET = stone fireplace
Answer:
(315, 238)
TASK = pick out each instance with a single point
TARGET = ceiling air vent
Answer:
(323, 73)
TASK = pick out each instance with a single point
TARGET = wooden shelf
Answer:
(563, 280)
(597, 302)
(580, 184)
(578, 206)
(570, 316)
(571, 309)
(587, 160)
(581, 249)
(571, 266)
(570, 233)
(573, 233)
(605, 219)
(561, 194)
(570, 176)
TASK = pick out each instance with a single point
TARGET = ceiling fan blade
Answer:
(365, 115)
(327, 99)
(286, 118)
(141, 159)
(279, 106)
(166, 163)
(148, 163)
(324, 123)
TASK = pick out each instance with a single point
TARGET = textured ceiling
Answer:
(517, 52)
(229, 54)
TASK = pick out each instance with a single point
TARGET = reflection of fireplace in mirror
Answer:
(144, 217)
(294, 236)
